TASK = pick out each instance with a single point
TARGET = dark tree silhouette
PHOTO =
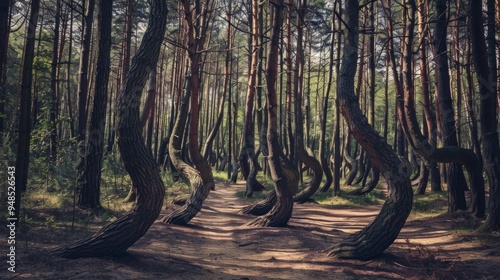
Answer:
(4, 43)
(23, 143)
(115, 238)
(90, 179)
(488, 120)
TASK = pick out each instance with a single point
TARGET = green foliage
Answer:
(375, 197)
(430, 204)
(219, 175)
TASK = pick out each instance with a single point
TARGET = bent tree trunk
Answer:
(312, 186)
(247, 158)
(263, 207)
(383, 230)
(282, 209)
(303, 155)
(489, 123)
(420, 143)
(115, 238)
(200, 177)
(193, 204)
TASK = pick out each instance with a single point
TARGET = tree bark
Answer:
(456, 184)
(282, 210)
(336, 134)
(323, 149)
(200, 178)
(89, 181)
(430, 118)
(54, 84)
(247, 157)
(23, 143)
(115, 238)
(447, 154)
(383, 230)
(488, 113)
(83, 81)
(303, 157)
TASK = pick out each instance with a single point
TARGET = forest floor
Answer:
(217, 245)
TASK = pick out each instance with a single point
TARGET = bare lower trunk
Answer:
(312, 186)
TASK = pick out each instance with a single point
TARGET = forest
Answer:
(250, 139)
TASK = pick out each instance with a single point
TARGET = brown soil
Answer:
(217, 245)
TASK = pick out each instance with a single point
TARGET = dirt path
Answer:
(217, 245)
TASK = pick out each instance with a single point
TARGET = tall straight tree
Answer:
(124, 63)
(455, 177)
(488, 113)
(248, 158)
(115, 238)
(23, 143)
(324, 112)
(89, 181)
(53, 112)
(303, 157)
(425, 81)
(383, 230)
(83, 81)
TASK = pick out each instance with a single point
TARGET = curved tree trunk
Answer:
(361, 168)
(282, 210)
(193, 204)
(370, 186)
(489, 122)
(200, 177)
(115, 238)
(303, 156)
(261, 207)
(423, 179)
(247, 157)
(353, 165)
(313, 185)
(383, 230)
(447, 154)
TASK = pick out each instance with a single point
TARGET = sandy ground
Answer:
(217, 245)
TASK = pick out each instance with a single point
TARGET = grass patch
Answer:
(220, 176)
(430, 205)
(374, 197)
